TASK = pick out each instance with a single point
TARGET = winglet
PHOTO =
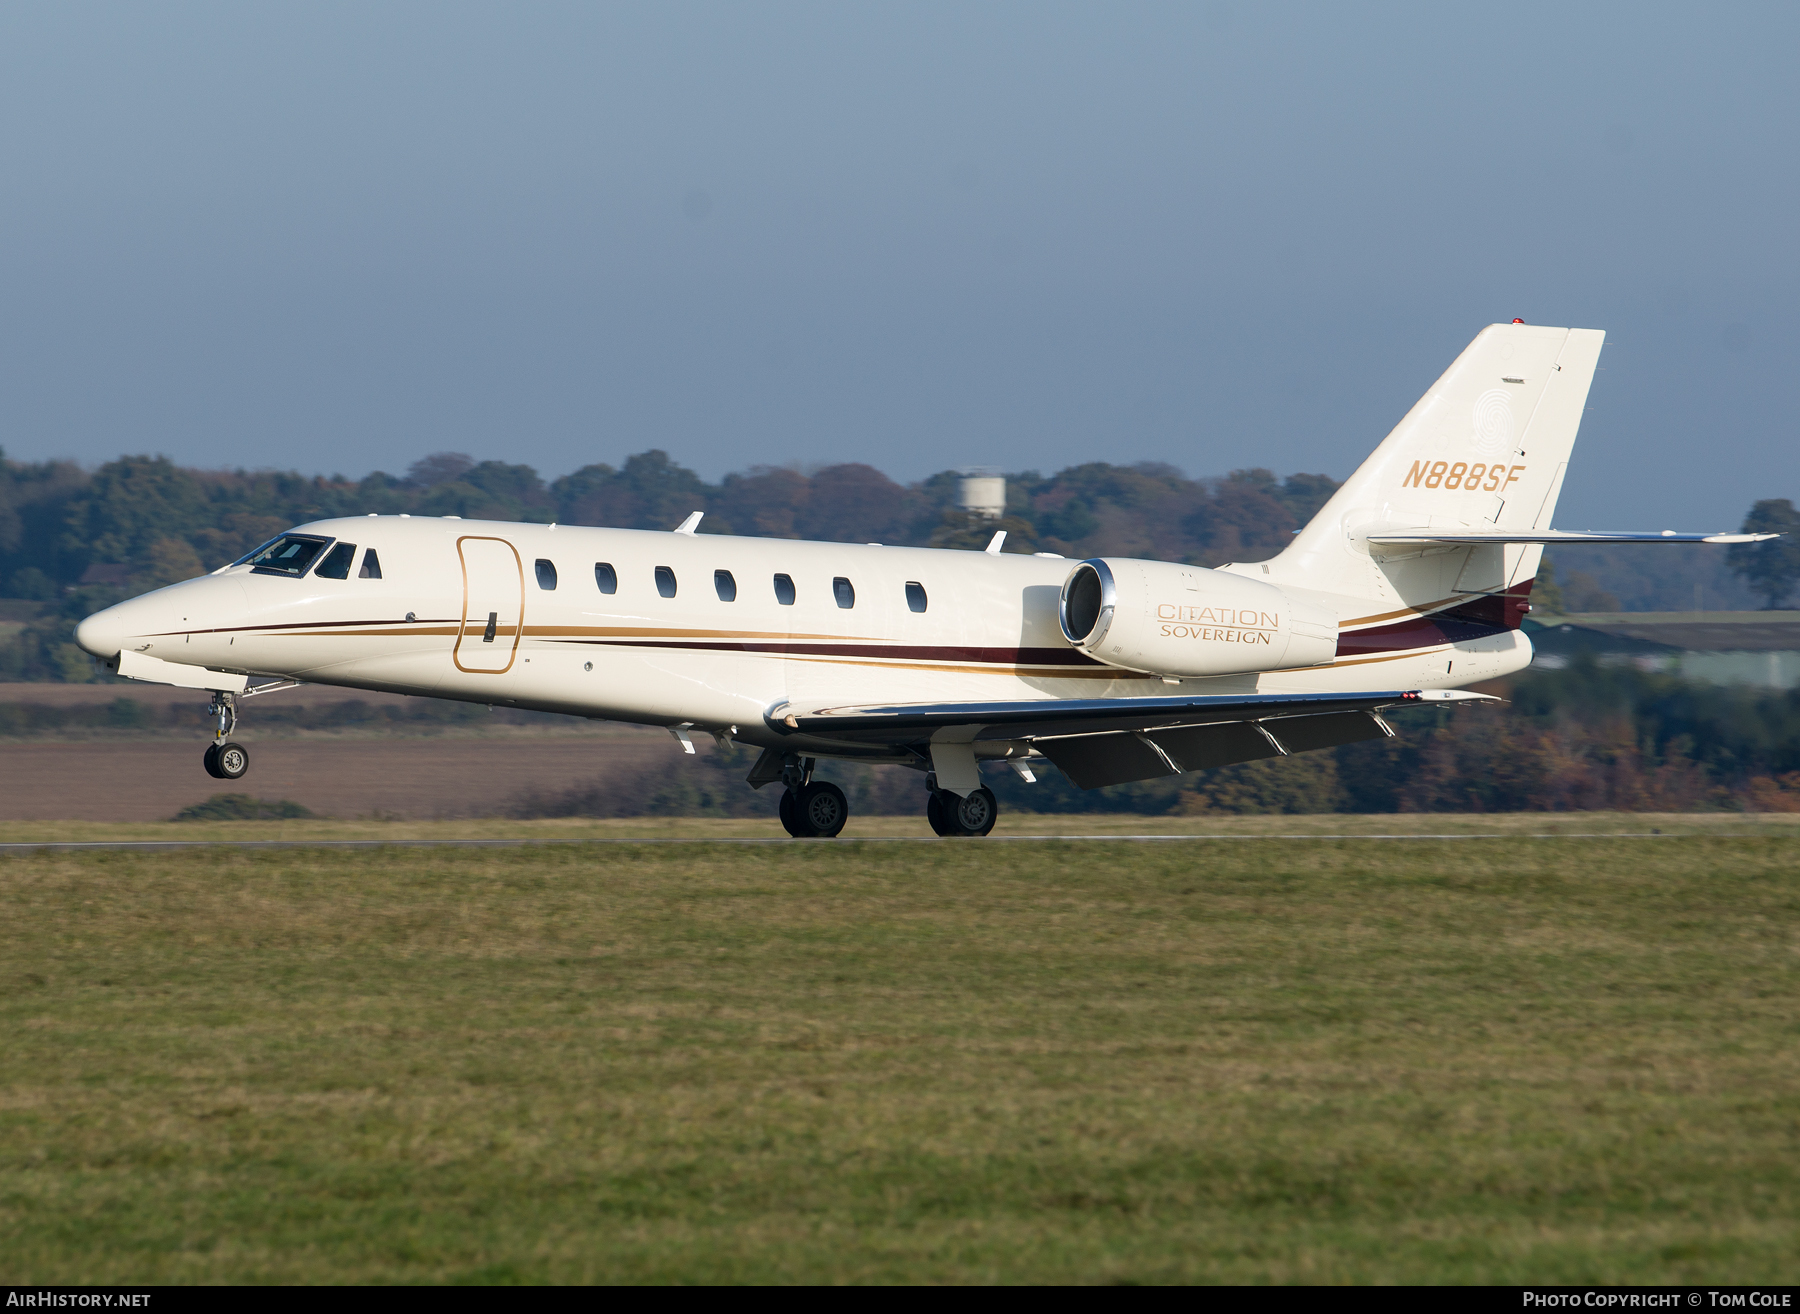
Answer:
(691, 524)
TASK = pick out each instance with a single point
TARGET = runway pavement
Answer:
(151, 845)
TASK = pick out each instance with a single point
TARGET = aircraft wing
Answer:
(1107, 741)
(1552, 536)
(1039, 717)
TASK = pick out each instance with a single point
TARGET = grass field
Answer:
(1493, 1060)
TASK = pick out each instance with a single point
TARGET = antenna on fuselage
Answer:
(691, 524)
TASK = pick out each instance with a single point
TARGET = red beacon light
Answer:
(1518, 321)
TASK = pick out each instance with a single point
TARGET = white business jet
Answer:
(1411, 582)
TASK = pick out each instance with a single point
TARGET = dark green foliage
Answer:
(82, 541)
(1586, 737)
(146, 522)
(242, 807)
(1772, 567)
(649, 492)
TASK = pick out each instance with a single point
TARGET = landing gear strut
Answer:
(810, 809)
(971, 814)
(225, 760)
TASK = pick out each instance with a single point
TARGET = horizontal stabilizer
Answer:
(1477, 537)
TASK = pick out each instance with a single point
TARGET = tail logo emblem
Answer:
(1493, 422)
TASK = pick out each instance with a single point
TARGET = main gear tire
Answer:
(823, 809)
(974, 813)
(937, 814)
(791, 821)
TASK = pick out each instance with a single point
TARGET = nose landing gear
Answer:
(225, 760)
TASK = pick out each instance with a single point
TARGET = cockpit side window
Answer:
(371, 566)
(337, 562)
(258, 550)
(290, 555)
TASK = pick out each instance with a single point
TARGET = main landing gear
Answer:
(971, 814)
(811, 809)
(817, 809)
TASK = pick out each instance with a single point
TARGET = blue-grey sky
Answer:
(335, 237)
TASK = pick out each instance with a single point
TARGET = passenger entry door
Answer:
(493, 605)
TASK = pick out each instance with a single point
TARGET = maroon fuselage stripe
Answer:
(1477, 618)
(895, 652)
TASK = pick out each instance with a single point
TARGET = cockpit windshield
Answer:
(290, 555)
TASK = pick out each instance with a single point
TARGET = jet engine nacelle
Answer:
(1167, 619)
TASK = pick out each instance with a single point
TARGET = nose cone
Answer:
(103, 633)
(135, 623)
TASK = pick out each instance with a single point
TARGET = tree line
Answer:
(1589, 737)
(74, 540)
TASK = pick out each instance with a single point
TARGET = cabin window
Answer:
(546, 573)
(726, 585)
(371, 566)
(289, 555)
(915, 595)
(844, 592)
(337, 562)
(606, 577)
(665, 581)
(784, 590)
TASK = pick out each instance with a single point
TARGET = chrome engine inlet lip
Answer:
(1109, 598)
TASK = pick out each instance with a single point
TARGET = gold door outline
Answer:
(462, 630)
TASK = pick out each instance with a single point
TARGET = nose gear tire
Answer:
(211, 761)
(231, 760)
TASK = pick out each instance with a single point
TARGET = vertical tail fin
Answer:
(1487, 446)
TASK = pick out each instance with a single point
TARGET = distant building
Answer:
(106, 573)
(1717, 647)
(982, 494)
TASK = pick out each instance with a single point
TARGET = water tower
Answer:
(982, 493)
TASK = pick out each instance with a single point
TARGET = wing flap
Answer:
(1096, 761)
(1303, 734)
